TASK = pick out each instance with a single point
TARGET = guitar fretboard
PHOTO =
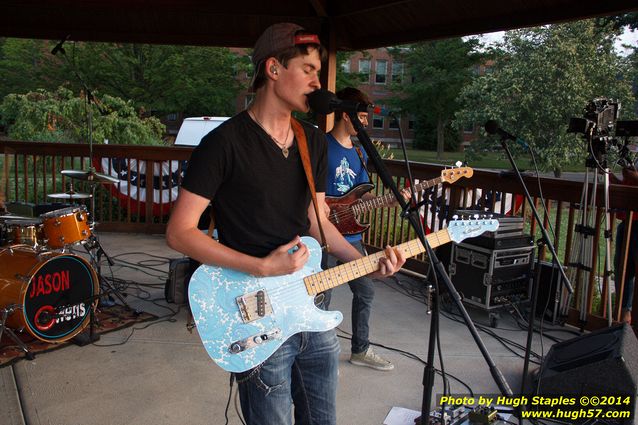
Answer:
(388, 198)
(344, 273)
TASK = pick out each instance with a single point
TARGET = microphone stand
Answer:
(412, 215)
(547, 242)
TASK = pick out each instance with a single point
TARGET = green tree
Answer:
(541, 78)
(158, 78)
(436, 72)
(164, 79)
(25, 66)
(61, 116)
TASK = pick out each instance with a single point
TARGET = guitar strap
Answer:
(363, 162)
(302, 144)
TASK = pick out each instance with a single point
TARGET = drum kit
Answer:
(45, 289)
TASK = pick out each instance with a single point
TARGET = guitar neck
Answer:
(344, 273)
(388, 198)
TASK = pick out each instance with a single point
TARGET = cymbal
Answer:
(69, 195)
(10, 216)
(90, 175)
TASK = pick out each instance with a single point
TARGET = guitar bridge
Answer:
(254, 305)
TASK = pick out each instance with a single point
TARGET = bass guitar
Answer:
(346, 210)
(243, 319)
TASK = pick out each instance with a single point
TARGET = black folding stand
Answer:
(411, 214)
(493, 129)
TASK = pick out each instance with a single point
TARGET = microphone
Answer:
(58, 47)
(492, 127)
(324, 102)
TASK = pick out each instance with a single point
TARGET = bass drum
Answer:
(52, 293)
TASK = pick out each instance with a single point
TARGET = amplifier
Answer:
(500, 243)
(489, 278)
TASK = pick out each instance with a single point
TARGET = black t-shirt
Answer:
(260, 198)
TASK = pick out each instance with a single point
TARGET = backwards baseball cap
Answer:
(279, 37)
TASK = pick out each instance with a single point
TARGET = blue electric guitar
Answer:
(242, 319)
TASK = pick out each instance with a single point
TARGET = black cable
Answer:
(230, 395)
(504, 341)
(408, 355)
(133, 329)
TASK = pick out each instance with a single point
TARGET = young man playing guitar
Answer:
(346, 169)
(251, 170)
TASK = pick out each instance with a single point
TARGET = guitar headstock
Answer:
(450, 175)
(463, 229)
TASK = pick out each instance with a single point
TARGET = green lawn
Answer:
(495, 160)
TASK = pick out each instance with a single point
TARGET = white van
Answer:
(194, 129)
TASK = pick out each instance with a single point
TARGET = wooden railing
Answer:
(31, 172)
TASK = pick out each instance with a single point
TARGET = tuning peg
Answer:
(458, 163)
(455, 217)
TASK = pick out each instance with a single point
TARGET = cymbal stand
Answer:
(5, 312)
(96, 251)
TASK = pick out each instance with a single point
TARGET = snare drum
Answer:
(25, 231)
(52, 292)
(66, 226)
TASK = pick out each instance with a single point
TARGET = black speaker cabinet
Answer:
(550, 294)
(604, 362)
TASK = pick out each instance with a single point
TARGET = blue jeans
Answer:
(632, 259)
(362, 295)
(303, 373)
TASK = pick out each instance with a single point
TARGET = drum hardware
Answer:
(5, 312)
(96, 251)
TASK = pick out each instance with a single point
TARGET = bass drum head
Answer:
(58, 298)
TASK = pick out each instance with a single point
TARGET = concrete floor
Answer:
(159, 373)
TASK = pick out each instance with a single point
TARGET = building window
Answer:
(345, 66)
(468, 128)
(377, 121)
(411, 123)
(394, 123)
(382, 70)
(364, 69)
(171, 117)
(397, 72)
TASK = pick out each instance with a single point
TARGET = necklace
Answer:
(282, 146)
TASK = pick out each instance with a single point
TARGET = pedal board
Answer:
(461, 415)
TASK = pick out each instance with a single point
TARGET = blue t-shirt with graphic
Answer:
(345, 171)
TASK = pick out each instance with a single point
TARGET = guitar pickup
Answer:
(254, 305)
(253, 341)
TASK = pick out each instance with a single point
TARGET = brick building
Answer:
(381, 70)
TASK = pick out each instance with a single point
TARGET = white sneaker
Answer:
(371, 359)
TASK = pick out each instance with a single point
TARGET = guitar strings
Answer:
(349, 212)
